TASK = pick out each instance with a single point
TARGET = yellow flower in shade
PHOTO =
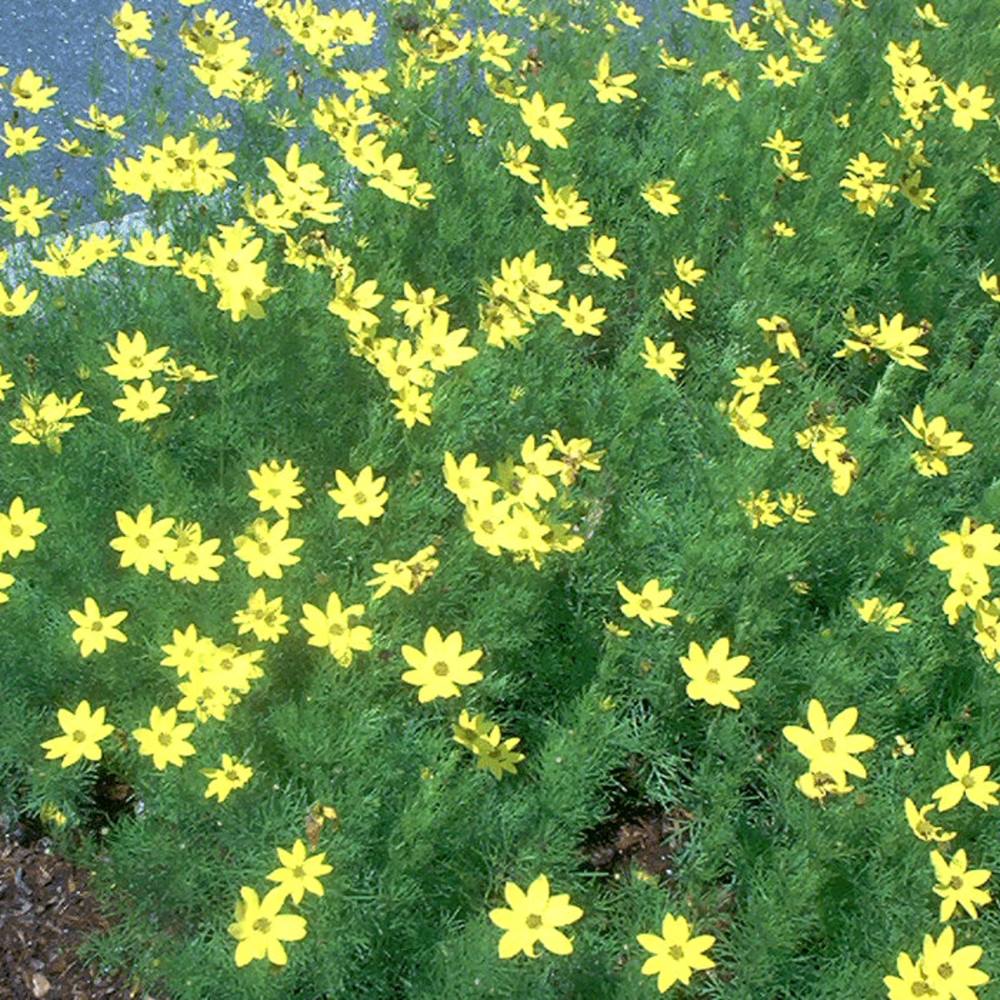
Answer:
(665, 360)
(967, 104)
(441, 666)
(794, 505)
(780, 228)
(165, 740)
(299, 872)
(990, 283)
(260, 927)
(93, 630)
(714, 675)
(688, 271)
(533, 917)
(957, 886)
(83, 731)
(951, 973)
(648, 605)
(829, 746)
(362, 498)
(143, 542)
(227, 778)
(972, 783)
(266, 549)
(761, 510)
(887, 615)
(922, 827)
(675, 953)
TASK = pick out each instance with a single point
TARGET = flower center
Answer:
(829, 744)
(533, 921)
(440, 668)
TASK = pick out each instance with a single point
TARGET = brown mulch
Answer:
(652, 841)
(45, 912)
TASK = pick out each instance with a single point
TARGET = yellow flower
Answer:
(957, 886)
(922, 827)
(260, 928)
(648, 605)
(83, 731)
(714, 675)
(362, 498)
(93, 630)
(227, 778)
(660, 197)
(972, 783)
(166, 739)
(441, 666)
(665, 360)
(533, 918)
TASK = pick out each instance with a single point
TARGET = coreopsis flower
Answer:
(952, 972)
(413, 406)
(362, 498)
(260, 927)
(194, 559)
(601, 258)
(794, 505)
(677, 303)
(354, 303)
(137, 405)
(484, 739)
(990, 284)
(93, 630)
(940, 441)
(783, 229)
(900, 342)
(780, 330)
(922, 827)
(25, 209)
(331, 628)
(581, 316)
(441, 666)
(276, 487)
(19, 527)
(753, 379)
(863, 186)
(911, 981)
(262, 616)
(887, 615)
(957, 886)
(612, 88)
(143, 542)
(533, 917)
(967, 104)
(688, 271)
(563, 208)
(723, 80)
(972, 783)
(818, 784)
(676, 954)
(418, 306)
(300, 872)
(165, 739)
(830, 746)
(649, 605)
(17, 302)
(467, 479)
(761, 510)
(28, 91)
(968, 551)
(152, 251)
(746, 419)
(930, 16)
(779, 71)
(679, 64)
(230, 776)
(267, 549)
(545, 122)
(665, 360)
(132, 357)
(83, 731)
(714, 676)
(517, 162)
(21, 141)
(660, 197)
(406, 575)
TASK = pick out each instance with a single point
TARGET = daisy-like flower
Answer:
(533, 917)
(362, 498)
(676, 953)
(688, 272)
(143, 542)
(922, 827)
(949, 971)
(142, 404)
(830, 746)
(967, 104)
(260, 927)
(165, 739)
(93, 630)
(133, 359)
(83, 731)
(227, 778)
(957, 886)
(300, 872)
(714, 676)
(665, 360)
(441, 666)
(677, 303)
(972, 783)
(648, 605)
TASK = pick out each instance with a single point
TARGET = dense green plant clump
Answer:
(515, 516)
